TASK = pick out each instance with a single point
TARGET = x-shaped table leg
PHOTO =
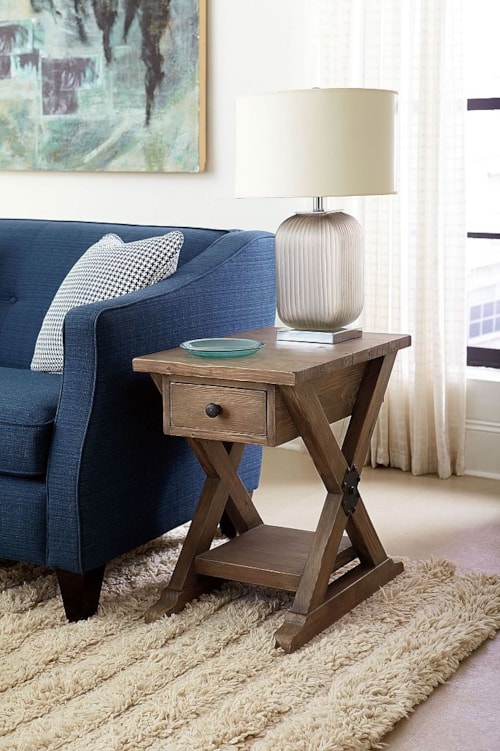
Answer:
(317, 602)
(218, 460)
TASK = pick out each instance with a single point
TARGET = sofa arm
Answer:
(108, 478)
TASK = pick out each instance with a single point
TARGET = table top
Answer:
(279, 362)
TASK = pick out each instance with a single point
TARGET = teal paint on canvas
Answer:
(101, 85)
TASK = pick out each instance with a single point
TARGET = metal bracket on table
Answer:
(350, 488)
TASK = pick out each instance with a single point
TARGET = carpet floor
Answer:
(210, 677)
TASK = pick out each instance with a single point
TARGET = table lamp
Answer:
(317, 143)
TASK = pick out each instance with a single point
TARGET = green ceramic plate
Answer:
(222, 347)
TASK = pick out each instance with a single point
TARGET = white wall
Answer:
(253, 45)
(482, 445)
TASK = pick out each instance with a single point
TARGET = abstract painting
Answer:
(102, 85)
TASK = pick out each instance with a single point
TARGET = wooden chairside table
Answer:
(285, 390)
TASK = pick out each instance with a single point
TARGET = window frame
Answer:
(488, 357)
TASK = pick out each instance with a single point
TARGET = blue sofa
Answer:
(85, 470)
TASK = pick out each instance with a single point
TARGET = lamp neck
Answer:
(318, 204)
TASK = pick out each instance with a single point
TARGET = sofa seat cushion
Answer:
(28, 404)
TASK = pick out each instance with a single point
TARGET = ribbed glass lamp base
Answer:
(319, 266)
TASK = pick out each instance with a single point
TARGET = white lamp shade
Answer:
(315, 142)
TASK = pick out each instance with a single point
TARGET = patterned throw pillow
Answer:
(109, 268)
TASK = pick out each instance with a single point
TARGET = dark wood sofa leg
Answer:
(227, 527)
(80, 592)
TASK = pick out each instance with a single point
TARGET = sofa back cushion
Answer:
(36, 255)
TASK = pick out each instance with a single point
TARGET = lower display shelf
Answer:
(267, 555)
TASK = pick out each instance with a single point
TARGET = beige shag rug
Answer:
(210, 677)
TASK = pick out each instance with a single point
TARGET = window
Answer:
(483, 182)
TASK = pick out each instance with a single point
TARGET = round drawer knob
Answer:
(213, 410)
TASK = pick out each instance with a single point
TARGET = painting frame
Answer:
(103, 85)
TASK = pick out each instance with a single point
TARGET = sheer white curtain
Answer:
(415, 241)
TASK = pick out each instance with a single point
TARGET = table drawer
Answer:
(242, 411)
